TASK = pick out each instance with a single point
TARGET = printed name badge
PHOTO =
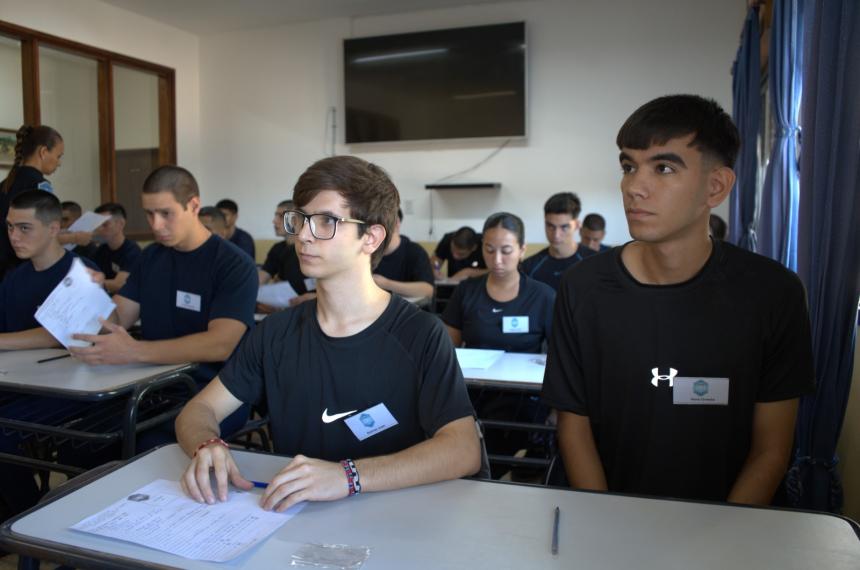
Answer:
(188, 301)
(700, 391)
(370, 422)
(515, 324)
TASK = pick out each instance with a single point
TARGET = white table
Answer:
(512, 370)
(20, 373)
(464, 524)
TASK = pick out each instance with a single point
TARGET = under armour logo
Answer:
(657, 377)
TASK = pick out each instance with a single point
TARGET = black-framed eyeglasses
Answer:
(323, 226)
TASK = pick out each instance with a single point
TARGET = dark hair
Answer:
(47, 205)
(563, 203)
(228, 204)
(507, 221)
(399, 214)
(73, 207)
(213, 212)
(288, 202)
(173, 179)
(28, 139)
(114, 209)
(673, 116)
(594, 222)
(465, 238)
(718, 227)
(366, 187)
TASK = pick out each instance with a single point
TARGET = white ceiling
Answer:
(204, 17)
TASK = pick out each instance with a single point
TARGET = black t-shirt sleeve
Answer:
(443, 248)
(235, 294)
(442, 397)
(273, 261)
(787, 365)
(131, 289)
(242, 375)
(418, 265)
(453, 313)
(563, 382)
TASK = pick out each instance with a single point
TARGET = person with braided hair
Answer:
(38, 152)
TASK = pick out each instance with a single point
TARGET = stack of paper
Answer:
(477, 357)
(276, 295)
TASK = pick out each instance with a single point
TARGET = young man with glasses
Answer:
(362, 387)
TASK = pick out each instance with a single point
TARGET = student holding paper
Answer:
(362, 387)
(282, 263)
(193, 292)
(118, 254)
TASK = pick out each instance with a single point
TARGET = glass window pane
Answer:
(11, 100)
(68, 86)
(136, 136)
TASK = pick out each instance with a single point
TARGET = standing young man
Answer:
(238, 236)
(362, 387)
(676, 361)
(561, 220)
(118, 254)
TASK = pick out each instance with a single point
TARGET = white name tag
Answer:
(188, 301)
(310, 284)
(700, 391)
(370, 422)
(515, 324)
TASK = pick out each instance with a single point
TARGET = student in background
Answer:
(405, 267)
(282, 263)
(117, 254)
(355, 350)
(213, 220)
(38, 152)
(592, 232)
(33, 224)
(238, 236)
(193, 292)
(83, 241)
(504, 309)
(561, 221)
(462, 252)
(717, 227)
(676, 361)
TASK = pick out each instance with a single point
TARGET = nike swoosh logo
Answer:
(328, 419)
(498, 310)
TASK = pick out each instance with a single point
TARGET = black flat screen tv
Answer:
(445, 84)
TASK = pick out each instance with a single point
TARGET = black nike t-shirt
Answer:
(307, 380)
(617, 343)
(487, 323)
(548, 269)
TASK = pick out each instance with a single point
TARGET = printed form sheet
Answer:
(162, 517)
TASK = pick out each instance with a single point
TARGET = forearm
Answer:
(263, 276)
(759, 478)
(468, 272)
(194, 425)
(410, 288)
(115, 284)
(579, 453)
(198, 347)
(33, 338)
(442, 457)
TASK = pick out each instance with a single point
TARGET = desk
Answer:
(463, 524)
(512, 370)
(73, 380)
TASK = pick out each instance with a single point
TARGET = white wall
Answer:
(104, 26)
(591, 63)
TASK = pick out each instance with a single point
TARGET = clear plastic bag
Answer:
(330, 556)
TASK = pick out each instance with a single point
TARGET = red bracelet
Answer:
(210, 442)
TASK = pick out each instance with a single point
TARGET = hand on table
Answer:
(305, 479)
(215, 458)
(115, 347)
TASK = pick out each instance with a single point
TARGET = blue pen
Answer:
(260, 484)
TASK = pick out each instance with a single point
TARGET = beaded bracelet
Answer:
(352, 479)
(217, 440)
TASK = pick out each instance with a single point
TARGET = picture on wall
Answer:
(7, 147)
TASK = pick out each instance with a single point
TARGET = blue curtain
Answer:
(777, 219)
(828, 238)
(746, 81)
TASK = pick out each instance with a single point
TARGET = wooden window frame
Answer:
(31, 40)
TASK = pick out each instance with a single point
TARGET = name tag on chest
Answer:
(515, 325)
(700, 391)
(370, 422)
(188, 301)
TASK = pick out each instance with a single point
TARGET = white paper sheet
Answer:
(86, 223)
(160, 516)
(477, 357)
(74, 306)
(276, 295)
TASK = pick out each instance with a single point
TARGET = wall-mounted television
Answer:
(445, 84)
